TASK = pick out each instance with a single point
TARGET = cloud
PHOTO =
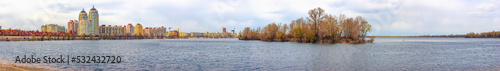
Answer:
(401, 26)
(388, 17)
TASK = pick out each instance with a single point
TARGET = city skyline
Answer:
(391, 17)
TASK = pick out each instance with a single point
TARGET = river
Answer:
(421, 54)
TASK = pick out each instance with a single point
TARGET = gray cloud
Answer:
(388, 17)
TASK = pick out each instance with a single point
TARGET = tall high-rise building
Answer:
(88, 24)
(84, 24)
(83, 15)
(138, 30)
(94, 19)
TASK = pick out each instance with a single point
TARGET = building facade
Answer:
(138, 30)
(43, 28)
(52, 28)
(72, 26)
(155, 31)
(197, 34)
(102, 30)
(109, 29)
(112, 30)
(160, 31)
(223, 29)
(129, 30)
(118, 30)
(147, 31)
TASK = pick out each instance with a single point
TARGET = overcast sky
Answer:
(388, 17)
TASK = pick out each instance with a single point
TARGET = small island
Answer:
(319, 27)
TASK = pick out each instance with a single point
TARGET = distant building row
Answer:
(87, 24)
(130, 30)
(127, 30)
(52, 28)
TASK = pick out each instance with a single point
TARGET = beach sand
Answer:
(12, 67)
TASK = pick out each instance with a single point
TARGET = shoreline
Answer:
(37, 38)
(13, 67)
(433, 37)
(319, 41)
(6, 65)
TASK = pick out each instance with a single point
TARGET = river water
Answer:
(422, 54)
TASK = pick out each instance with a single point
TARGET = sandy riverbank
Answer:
(11, 66)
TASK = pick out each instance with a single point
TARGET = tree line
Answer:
(319, 27)
(492, 34)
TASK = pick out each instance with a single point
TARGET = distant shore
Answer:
(412, 36)
(492, 34)
(436, 36)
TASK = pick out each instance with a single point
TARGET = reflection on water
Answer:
(232, 54)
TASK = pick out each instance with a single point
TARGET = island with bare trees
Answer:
(319, 27)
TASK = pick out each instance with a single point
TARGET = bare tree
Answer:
(315, 15)
(330, 28)
(364, 27)
(282, 34)
(270, 31)
(350, 28)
